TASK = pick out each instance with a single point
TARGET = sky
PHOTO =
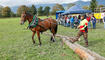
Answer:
(27, 2)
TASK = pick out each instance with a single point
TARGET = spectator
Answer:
(76, 22)
(67, 24)
(79, 18)
(72, 22)
(104, 20)
(62, 19)
(94, 22)
(89, 20)
(69, 20)
(65, 20)
(59, 17)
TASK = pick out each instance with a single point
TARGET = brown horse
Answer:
(42, 26)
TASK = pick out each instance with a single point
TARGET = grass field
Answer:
(96, 37)
(16, 44)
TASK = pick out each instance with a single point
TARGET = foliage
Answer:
(93, 5)
(56, 8)
(86, 7)
(1, 7)
(33, 10)
(21, 9)
(6, 12)
(13, 14)
(100, 6)
(46, 10)
(40, 11)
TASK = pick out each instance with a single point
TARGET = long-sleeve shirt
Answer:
(72, 20)
(94, 20)
(88, 19)
(104, 19)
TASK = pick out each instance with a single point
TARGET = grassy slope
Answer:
(16, 44)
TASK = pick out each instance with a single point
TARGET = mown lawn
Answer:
(16, 43)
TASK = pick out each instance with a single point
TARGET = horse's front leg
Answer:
(33, 37)
(38, 34)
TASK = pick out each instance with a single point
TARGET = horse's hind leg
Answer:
(33, 37)
(53, 38)
(38, 34)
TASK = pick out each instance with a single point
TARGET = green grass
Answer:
(96, 37)
(16, 44)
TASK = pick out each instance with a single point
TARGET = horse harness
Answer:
(35, 22)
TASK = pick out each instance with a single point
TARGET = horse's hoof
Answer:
(40, 44)
(34, 42)
(53, 40)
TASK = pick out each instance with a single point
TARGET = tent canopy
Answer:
(59, 12)
(76, 10)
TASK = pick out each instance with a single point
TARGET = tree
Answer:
(100, 6)
(6, 12)
(86, 7)
(21, 9)
(40, 11)
(93, 5)
(70, 5)
(13, 14)
(46, 10)
(33, 10)
(57, 7)
(1, 7)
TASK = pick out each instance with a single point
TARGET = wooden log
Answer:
(83, 52)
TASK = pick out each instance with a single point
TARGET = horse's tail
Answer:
(56, 27)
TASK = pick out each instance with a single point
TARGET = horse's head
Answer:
(23, 18)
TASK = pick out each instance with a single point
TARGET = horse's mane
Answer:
(27, 13)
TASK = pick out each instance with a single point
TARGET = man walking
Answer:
(83, 30)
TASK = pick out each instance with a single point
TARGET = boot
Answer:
(72, 40)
